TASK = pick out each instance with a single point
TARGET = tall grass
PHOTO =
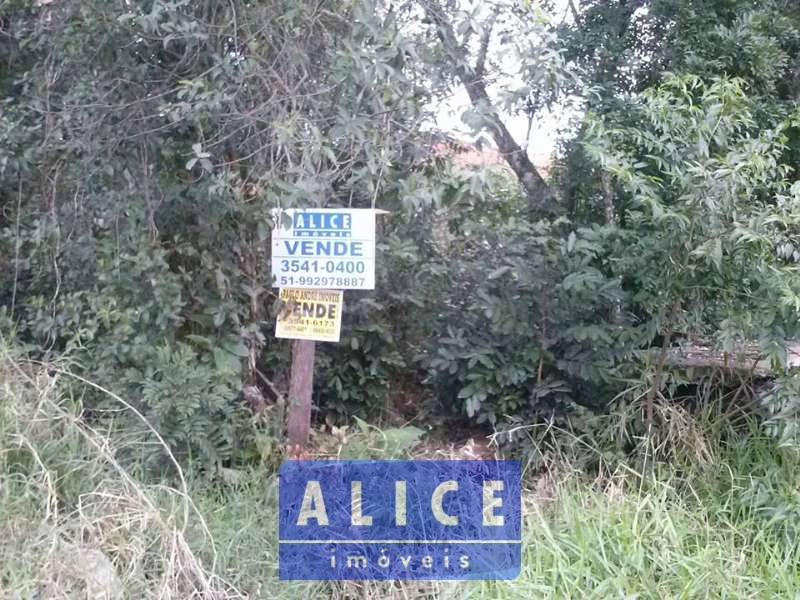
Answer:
(75, 523)
(668, 536)
(721, 527)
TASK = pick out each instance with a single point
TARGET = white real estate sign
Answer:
(324, 248)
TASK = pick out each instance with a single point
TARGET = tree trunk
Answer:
(301, 385)
(608, 198)
(536, 188)
(655, 387)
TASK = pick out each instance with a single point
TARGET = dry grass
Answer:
(74, 522)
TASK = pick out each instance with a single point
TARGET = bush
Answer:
(525, 321)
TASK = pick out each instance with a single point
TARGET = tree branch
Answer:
(532, 182)
(483, 50)
(279, 397)
(574, 11)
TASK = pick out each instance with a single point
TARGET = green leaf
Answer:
(237, 348)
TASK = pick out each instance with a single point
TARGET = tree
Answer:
(625, 46)
(144, 145)
(539, 69)
(711, 197)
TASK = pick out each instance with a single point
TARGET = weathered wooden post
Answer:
(301, 386)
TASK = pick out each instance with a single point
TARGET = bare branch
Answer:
(574, 10)
(480, 63)
(279, 397)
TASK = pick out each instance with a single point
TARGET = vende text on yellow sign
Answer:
(309, 314)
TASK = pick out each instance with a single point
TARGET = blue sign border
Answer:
(420, 546)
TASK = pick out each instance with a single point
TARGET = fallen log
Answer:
(748, 360)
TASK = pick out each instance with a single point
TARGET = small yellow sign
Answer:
(309, 314)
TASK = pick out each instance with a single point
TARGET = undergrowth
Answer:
(719, 516)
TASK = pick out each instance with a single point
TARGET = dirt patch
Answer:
(473, 448)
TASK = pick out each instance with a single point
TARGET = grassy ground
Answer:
(717, 534)
(75, 524)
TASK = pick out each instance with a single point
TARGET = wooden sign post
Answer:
(317, 249)
(301, 386)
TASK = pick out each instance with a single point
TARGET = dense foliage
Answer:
(144, 144)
